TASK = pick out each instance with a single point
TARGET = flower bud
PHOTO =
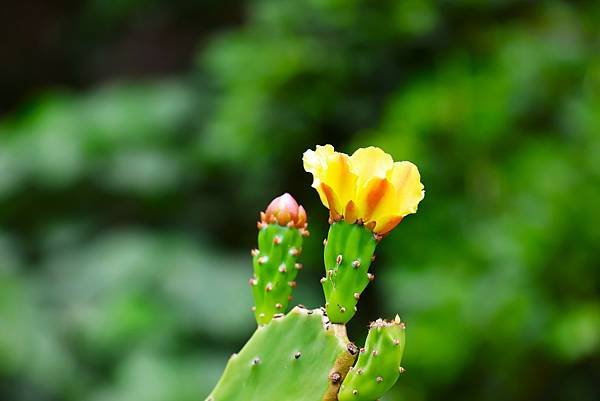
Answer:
(285, 211)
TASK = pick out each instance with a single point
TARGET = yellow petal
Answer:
(370, 162)
(332, 201)
(386, 223)
(406, 180)
(351, 212)
(315, 161)
(332, 177)
(375, 198)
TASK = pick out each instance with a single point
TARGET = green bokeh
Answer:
(127, 210)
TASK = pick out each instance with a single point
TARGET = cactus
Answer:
(300, 357)
(378, 365)
(306, 355)
(348, 254)
(281, 229)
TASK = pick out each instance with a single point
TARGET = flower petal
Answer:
(406, 180)
(370, 162)
(351, 212)
(375, 198)
(385, 224)
(315, 161)
(332, 177)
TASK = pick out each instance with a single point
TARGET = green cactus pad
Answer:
(275, 270)
(378, 365)
(348, 254)
(299, 357)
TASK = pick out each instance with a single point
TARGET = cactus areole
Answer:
(305, 355)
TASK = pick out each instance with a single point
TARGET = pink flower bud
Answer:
(285, 211)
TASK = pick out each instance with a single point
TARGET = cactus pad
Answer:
(348, 252)
(378, 365)
(300, 357)
(275, 270)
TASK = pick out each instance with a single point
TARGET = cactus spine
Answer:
(378, 365)
(348, 254)
(275, 270)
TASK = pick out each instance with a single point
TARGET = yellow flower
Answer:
(368, 186)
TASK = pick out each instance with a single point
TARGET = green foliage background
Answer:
(127, 209)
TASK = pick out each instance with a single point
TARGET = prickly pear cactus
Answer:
(300, 356)
(349, 250)
(378, 365)
(306, 355)
(281, 230)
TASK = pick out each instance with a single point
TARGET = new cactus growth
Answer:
(306, 355)
(378, 365)
(348, 253)
(281, 229)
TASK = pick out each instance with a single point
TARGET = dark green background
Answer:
(139, 140)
